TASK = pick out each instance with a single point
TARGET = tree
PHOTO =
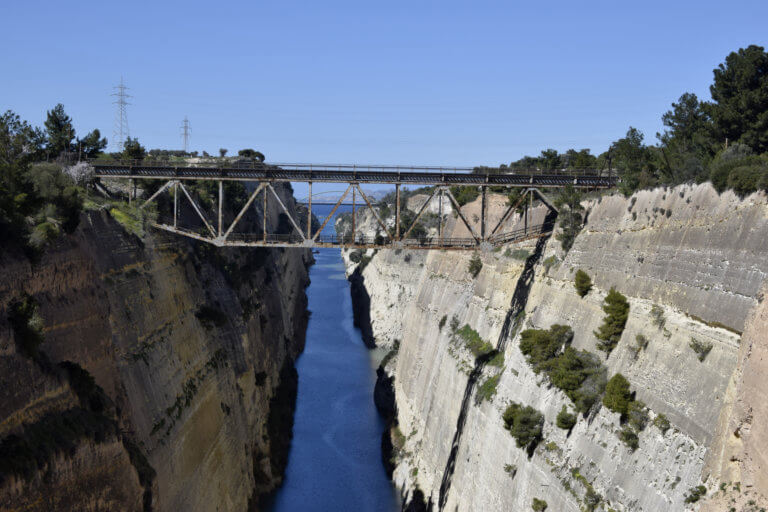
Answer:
(582, 283)
(688, 143)
(251, 153)
(570, 217)
(223, 152)
(550, 159)
(631, 157)
(617, 395)
(59, 131)
(689, 125)
(740, 92)
(579, 159)
(616, 308)
(92, 144)
(133, 150)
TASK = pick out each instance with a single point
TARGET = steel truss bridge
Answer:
(263, 175)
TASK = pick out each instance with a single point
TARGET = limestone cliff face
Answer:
(692, 259)
(193, 347)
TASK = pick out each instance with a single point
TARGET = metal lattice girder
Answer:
(290, 217)
(245, 208)
(509, 211)
(197, 209)
(375, 213)
(461, 215)
(335, 207)
(158, 192)
(421, 210)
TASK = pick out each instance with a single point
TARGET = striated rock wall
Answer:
(193, 346)
(701, 266)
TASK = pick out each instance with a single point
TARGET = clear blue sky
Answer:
(460, 83)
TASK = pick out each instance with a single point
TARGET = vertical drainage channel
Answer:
(511, 321)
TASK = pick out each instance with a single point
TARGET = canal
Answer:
(335, 458)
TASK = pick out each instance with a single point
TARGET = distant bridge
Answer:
(441, 179)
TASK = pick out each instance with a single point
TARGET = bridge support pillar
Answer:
(221, 202)
(483, 207)
(264, 217)
(397, 211)
(175, 203)
(527, 191)
(309, 212)
(354, 220)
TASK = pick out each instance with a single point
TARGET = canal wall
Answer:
(692, 265)
(163, 379)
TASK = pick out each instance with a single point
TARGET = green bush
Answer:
(539, 505)
(475, 265)
(355, 256)
(637, 415)
(579, 374)
(442, 323)
(565, 420)
(524, 424)
(702, 348)
(617, 395)
(487, 389)
(661, 422)
(582, 283)
(695, 494)
(629, 438)
(616, 308)
(472, 340)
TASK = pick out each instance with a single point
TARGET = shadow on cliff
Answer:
(511, 323)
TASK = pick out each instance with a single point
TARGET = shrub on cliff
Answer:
(475, 265)
(472, 340)
(565, 420)
(487, 389)
(616, 308)
(578, 373)
(617, 395)
(629, 438)
(539, 505)
(582, 283)
(695, 494)
(524, 424)
(702, 348)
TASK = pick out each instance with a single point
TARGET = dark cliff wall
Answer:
(185, 350)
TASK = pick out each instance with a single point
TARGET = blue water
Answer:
(335, 459)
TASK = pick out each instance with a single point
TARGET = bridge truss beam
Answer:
(219, 234)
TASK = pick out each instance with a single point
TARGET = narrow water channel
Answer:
(335, 459)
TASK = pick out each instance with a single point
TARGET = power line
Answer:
(185, 134)
(121, 131)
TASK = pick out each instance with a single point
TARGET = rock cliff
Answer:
(691, 264)
(162, 377)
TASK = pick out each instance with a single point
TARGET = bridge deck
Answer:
(355, 174)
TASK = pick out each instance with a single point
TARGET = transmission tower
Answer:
(185, 134)
(120, 132)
